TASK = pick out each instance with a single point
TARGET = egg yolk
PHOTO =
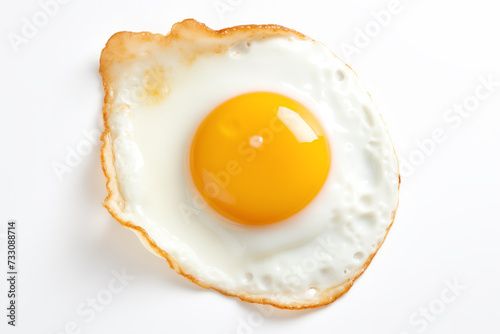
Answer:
(259, 158)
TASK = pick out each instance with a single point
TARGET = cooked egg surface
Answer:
(260, 165)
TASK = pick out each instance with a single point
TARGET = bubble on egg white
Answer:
(357, 257)
(365, 202)
(367, 116)
(240, 49)
(339, 75)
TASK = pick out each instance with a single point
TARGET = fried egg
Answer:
(250, 158)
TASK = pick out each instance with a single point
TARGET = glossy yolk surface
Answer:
(259, 158)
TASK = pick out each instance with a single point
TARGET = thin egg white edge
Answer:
(340, 211)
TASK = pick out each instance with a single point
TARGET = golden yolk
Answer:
(259, 158)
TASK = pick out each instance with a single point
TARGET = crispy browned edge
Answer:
(114, 201)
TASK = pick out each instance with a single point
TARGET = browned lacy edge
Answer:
(117, 51)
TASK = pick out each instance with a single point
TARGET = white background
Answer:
(430, 57)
